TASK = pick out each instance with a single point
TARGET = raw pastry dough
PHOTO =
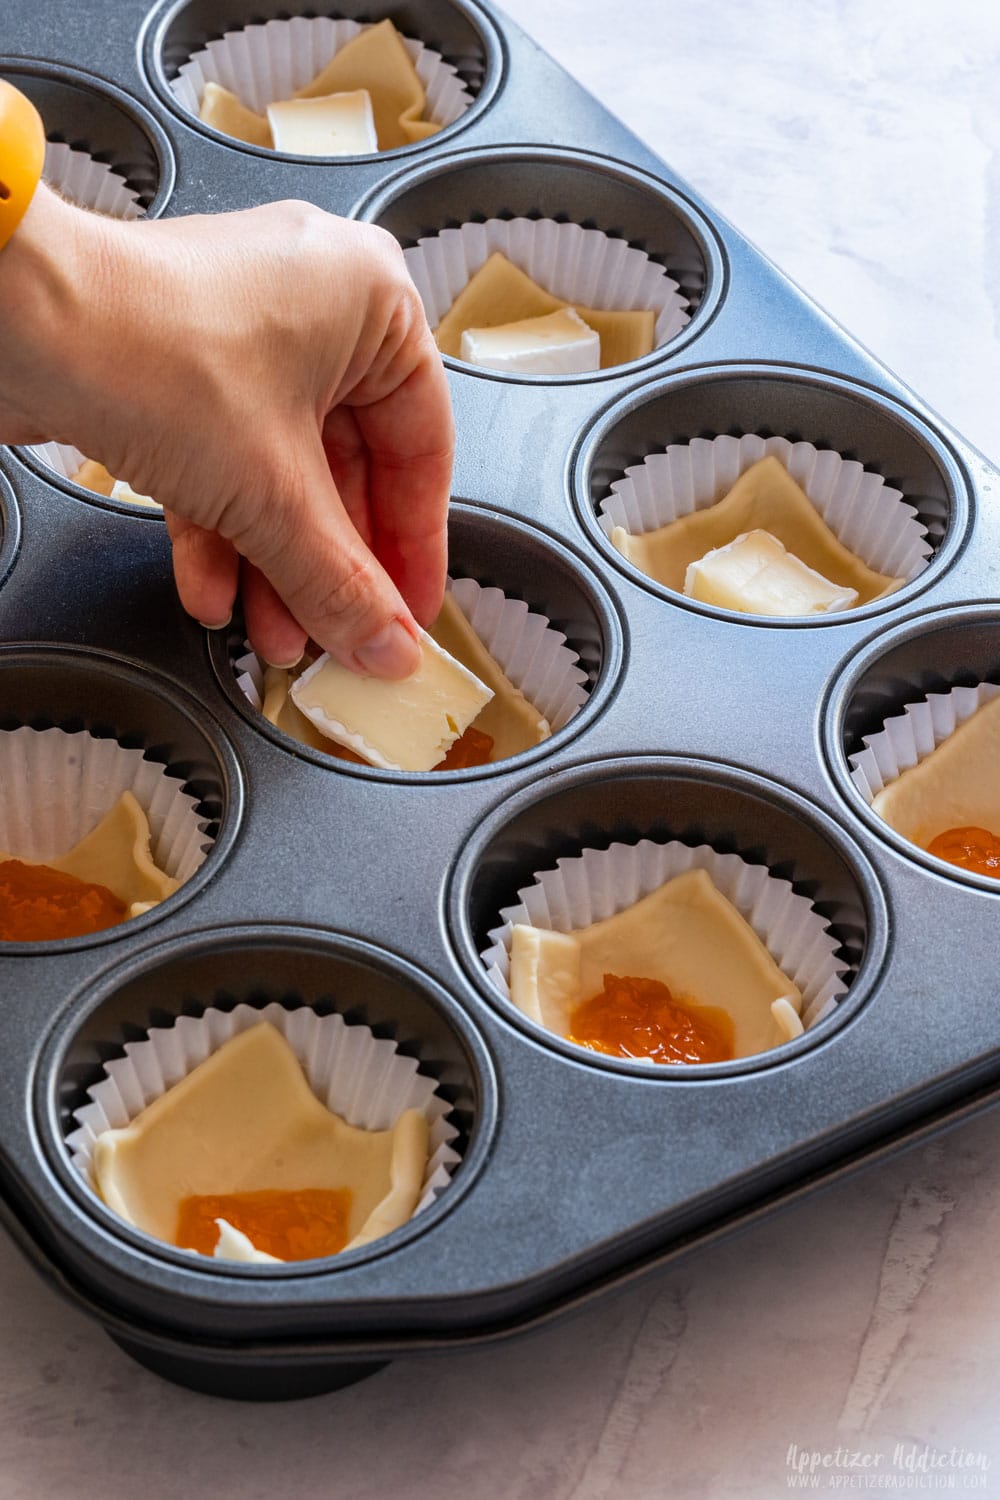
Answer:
(377, 60)
(224, 112)
(245, 1120)
(685, 934)
(513, 723)
(500, 293)
(956, 786)
(765, 497)
(116, 854)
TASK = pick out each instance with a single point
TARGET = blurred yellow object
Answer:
(22, 154)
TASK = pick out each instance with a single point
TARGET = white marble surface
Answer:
(855, 141)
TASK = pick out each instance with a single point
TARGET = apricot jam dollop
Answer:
(473, 748)
(37, 904)
(974, 849)
(640, 1018)
(300, 1225)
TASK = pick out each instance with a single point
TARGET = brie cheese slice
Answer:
(756, 576)
(233, 1244)
(246, 1120)
(956, 786)
(559, 343)
(767, 498)
(686, 935)
(400, 726)
(330, 125)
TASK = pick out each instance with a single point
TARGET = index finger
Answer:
(410, 436)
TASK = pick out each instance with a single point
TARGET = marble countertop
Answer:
(854, 1334)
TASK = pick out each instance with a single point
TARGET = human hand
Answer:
(270, 378)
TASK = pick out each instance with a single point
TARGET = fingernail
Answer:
(284, 666)
(392, 653)
(221, 625)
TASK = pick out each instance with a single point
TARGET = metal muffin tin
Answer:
(371, 892)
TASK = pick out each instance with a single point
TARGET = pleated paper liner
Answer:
(601, 882)
(910, 736)
(532, 654)
(89, 183)
(56, 786)
(264, 64)
(582, 266)
(363, 1078)
(866, 514)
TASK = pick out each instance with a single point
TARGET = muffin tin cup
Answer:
(899, 699)
(360, 1077)
(78, 730)
(536, 608)
(581, 224)
(882, 479)
(104, 149)
(264, 58)
(603, 835)
(374, 1035)
(10, 529)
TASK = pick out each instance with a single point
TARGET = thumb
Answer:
(308, 549)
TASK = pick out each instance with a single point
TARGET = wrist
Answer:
(48, 272)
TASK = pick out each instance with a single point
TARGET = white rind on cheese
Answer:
(399, 726)
(755, 574)
(685, 934)
(233, 1244)
(332, 125)
(559, 343)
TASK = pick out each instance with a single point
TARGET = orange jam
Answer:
(299, 1225)
(640, 1018)
(974, 849)
(37, 903)
(473, 748)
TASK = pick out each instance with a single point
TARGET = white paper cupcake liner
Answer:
(361, 1077)
(530, 652)
(266, 63)
(58, 786)
(909, 737)
(601, 882)
(868, 516)
(66, 462)
(89, 183)
(584, 266)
